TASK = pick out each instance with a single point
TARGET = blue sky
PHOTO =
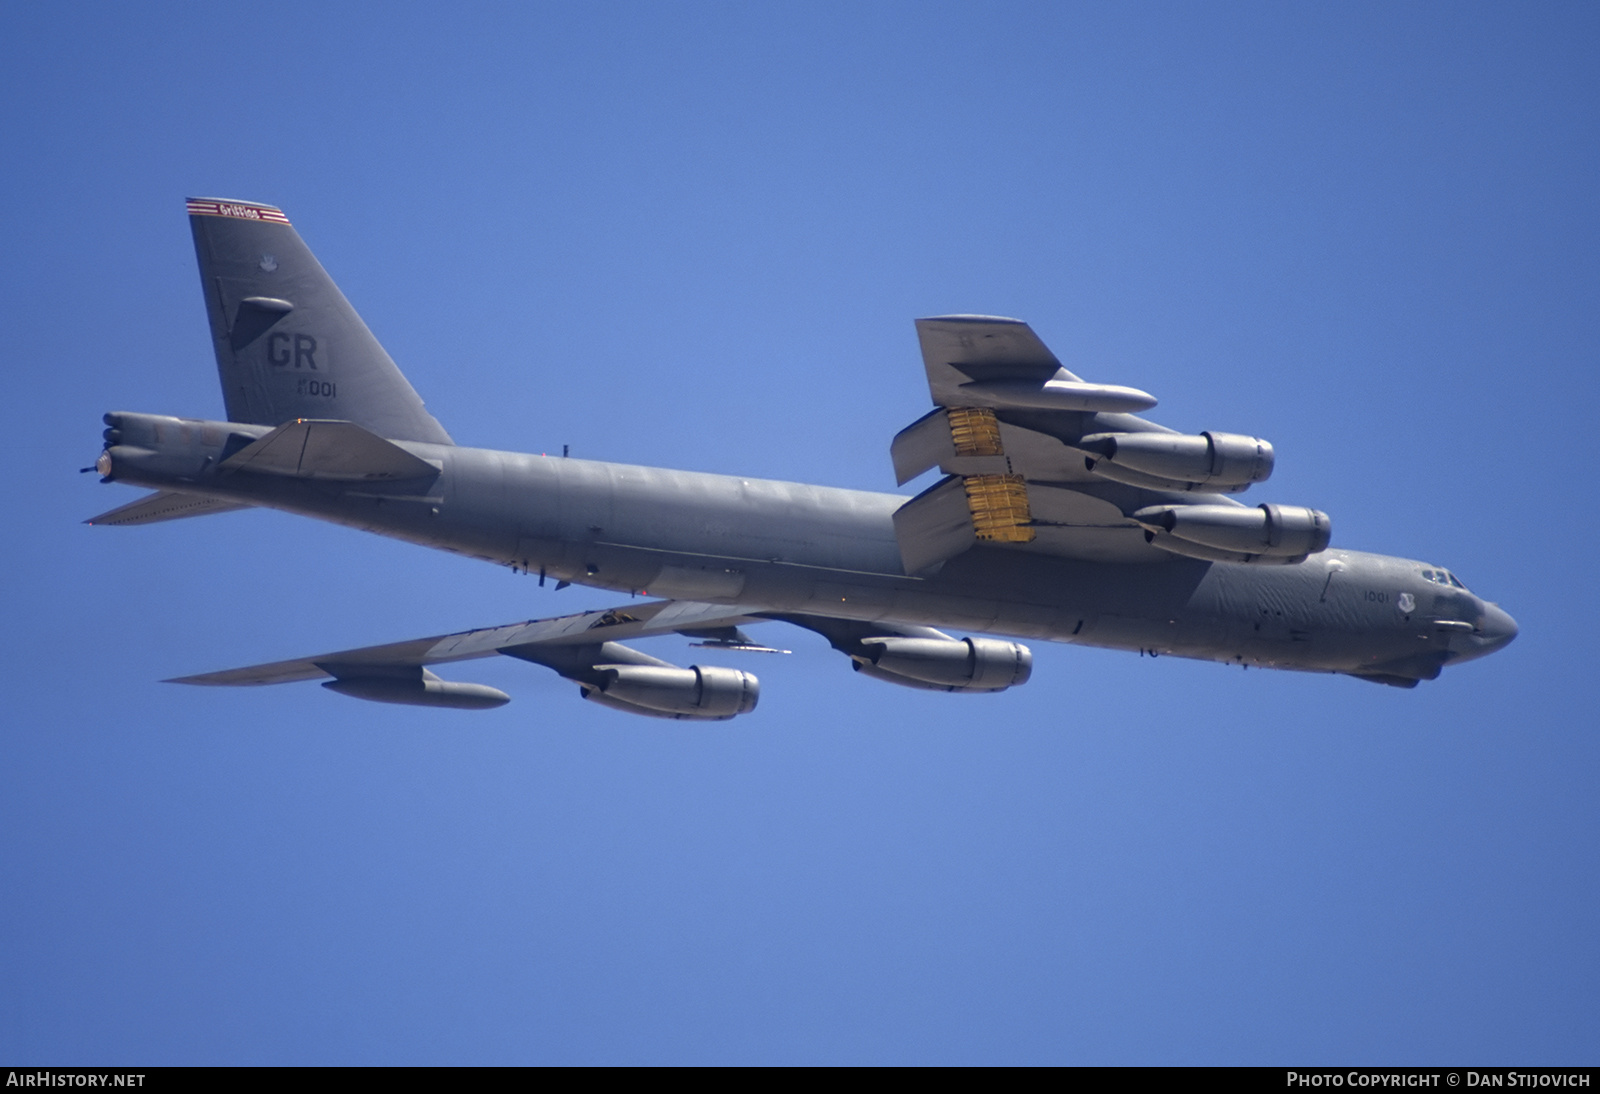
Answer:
(695, 235)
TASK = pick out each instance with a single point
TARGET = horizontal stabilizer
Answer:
(336, 451)
(165, 505)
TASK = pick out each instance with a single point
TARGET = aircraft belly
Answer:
(816, 550)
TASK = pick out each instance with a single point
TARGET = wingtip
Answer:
(971, 319)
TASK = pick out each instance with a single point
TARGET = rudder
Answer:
(288, 343)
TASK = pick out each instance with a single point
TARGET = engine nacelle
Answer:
(1221, 461)
(1270, 531)
(711, 694)
(946, 664)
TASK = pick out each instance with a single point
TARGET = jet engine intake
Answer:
(1266, 531)
(710, 694)
(1218, 461)
(945, 664)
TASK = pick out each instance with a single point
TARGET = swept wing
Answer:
(555, 637)
(588, 649)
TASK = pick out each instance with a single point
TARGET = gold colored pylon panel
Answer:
(974, 431)
(999, 505)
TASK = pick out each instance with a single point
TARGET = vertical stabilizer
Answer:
(289, 345)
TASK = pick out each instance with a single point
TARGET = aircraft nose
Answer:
(1498, 628)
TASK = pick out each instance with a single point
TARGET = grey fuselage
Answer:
(791, 548)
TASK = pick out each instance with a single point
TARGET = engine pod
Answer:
(1222, 461)
(946, 664)
(695, 692)
(1280, 531)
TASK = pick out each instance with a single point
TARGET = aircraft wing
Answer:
(1005, 405)
(554, 639)
(586, 649)
(1023, 445)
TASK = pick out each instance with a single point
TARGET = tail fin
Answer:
(289, 345)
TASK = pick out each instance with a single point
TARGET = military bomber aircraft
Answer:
(1058, 514)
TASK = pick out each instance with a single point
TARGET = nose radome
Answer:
(1498, 626)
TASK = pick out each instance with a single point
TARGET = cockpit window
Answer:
(1443, 577)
